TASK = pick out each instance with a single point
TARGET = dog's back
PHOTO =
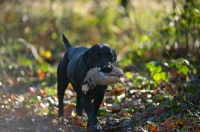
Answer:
(72, 51)
(75, 52)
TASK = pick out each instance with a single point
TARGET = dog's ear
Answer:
(114, 56)
(85, 57)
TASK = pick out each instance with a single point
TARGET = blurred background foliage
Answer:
(151, 37)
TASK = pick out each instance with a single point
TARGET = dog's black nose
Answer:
(106, 68)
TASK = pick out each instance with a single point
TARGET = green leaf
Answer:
(54, 36)
(129, 75)
(24, 61)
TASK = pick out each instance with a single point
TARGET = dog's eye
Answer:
(111, 57)
(97, 57)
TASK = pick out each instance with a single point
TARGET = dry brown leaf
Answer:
(117, 90)
(152, 128)
(68, 110)
(8, 17)
(171, 123)
(22, 111)
(197, 128)
(79, 122)
(41, 75)
(158, 110)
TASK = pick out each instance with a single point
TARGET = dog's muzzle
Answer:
(106, 68)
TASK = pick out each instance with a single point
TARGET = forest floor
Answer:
(26, 108)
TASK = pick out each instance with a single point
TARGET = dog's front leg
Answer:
(88, 107)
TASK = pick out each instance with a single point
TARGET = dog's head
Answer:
(100, 55)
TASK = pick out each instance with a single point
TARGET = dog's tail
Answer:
(66, 42)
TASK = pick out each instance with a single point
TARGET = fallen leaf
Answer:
(22, 111)
(158, 110)
(8, 17)
(115, 108)
(197, 128)
(152, 128)
(41, 75)
(117, 90)
(79, 122)
(68, 110)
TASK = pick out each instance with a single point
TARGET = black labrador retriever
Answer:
(73, 68)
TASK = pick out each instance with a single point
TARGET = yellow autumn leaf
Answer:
(195, 71)
(41, 51)
(48, 54)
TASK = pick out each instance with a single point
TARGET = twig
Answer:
(193, 104)
(28, 45)
(2, 64)
(175, 21)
